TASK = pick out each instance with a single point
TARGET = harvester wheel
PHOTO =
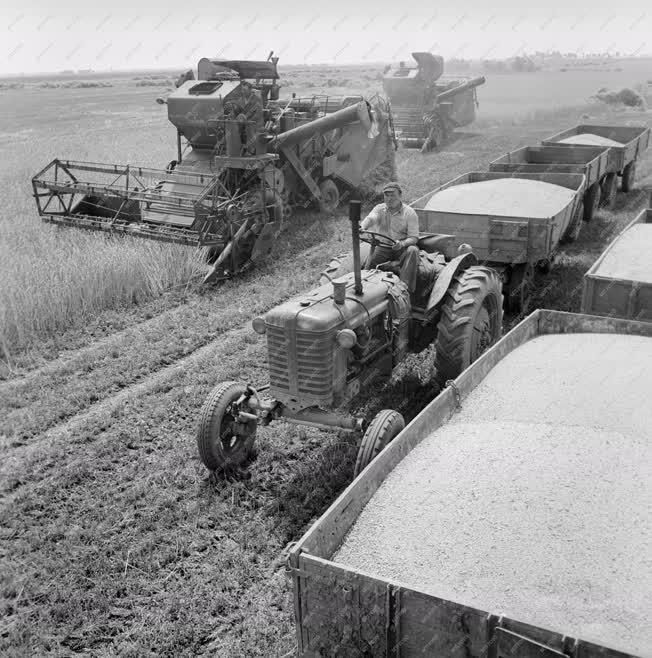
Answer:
(591, 202)
(609, 190)
(574, 227)
(330, 196)
(629, 174)
(519, 289)
(471, 320)
(224, 441)
(382, 429)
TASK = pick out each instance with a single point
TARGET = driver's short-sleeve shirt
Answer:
(398, 225)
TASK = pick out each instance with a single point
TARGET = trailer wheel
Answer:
(574, 227)
(591, 202)
(471, 320)
(382, 429)
(222, 440)
(519, 289)
(609, 190)
(330, 196)
(629, 174)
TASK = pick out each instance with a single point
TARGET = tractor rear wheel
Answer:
(223, 441)
(330, 196)
(591, 202)
(382, 429)
(629, 174)
(471, 320)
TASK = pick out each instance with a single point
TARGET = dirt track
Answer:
(114, 539)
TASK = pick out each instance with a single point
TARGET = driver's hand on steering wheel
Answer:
(398, 247)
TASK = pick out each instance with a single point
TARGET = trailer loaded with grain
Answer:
(626, 144)
(511, 517)
(619, 284)
(590, 161)
(514, 222)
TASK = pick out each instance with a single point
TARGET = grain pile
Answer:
(589, 139)
(504, 197)
(630, 257)
(535, 500)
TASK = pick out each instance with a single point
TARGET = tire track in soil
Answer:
(109, 408)
(33, 406)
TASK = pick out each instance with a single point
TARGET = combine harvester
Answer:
(249, 159)
(425, 107)
(509, 518)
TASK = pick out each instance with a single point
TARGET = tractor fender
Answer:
(443, 282)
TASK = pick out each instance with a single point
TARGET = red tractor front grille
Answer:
(301, 364)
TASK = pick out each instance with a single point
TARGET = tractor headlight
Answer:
(346, 338)
(258, 325)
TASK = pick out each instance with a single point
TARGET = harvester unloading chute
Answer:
(248, 160)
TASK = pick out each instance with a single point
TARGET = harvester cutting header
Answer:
(248, 159)
(427, 107)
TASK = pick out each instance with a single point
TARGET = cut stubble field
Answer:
(114, 540)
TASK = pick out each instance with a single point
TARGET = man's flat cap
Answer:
(389, 187)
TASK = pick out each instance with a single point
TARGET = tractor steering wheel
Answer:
(376, 239)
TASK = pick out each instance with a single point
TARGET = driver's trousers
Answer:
(407, 262)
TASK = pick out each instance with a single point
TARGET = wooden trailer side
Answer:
(617, 297)
(504, 240)
(343, 611)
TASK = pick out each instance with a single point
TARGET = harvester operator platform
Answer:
(399, 222)
(248, 109)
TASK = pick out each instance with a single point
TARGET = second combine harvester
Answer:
(249, 159)
(426, 108)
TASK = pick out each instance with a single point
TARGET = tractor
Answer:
(326, 345)
(426, 108)
(249, 159)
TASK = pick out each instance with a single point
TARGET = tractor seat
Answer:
(435, 242)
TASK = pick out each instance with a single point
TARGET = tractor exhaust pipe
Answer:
(354, 217)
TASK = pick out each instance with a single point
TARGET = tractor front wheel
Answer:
(224, 441)
(471, 320)
(382, 429)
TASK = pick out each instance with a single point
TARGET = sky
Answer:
(71, 35)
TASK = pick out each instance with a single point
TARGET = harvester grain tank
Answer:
(327, 345)
(248, 160)
(425, 107)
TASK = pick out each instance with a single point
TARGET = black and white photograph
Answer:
(326, 329)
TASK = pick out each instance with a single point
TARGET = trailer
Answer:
(617, 285)
(342, 610)
(632, 141)
(515, 246)
(591, 161)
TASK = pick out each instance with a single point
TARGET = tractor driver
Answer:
(400, 223)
